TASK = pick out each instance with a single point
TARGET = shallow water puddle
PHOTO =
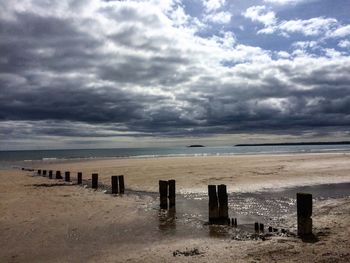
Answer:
(270, 207)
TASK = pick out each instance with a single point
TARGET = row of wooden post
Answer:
(218, 201)
(117, 181)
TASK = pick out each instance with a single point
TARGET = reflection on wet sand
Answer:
(190, 218)
(167, 219)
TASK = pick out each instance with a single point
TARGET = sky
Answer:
(98, 73)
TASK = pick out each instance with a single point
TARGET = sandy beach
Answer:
(46, 220)
(193, 174)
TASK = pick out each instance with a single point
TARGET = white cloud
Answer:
(341, 31)
(332, 53)
(213, 5)
(227, 41)
(267, 30)
(311, 27)
(218, 18)
(317, 26)
(260, 14)
(283, 55)
(344, 43)
(306, 44)
(284, 2)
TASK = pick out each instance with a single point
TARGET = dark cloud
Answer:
(78, 76)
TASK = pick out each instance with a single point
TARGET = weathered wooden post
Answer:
(94, 181)
(256, 227)
(67, 176)
(213, 204)
(172, 193)
(58, 175)
(234, 222)
(121, 184)
(39, 172)
(163, 194)
(261, 228)
(304, 213)
(44, 172)
(50, 174)
(114, 180)
(80, 177)
(223, 203)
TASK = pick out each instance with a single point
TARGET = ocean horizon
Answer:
(152, 152)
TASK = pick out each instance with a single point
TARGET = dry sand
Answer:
(68, 223)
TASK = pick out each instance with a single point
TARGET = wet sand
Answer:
(69, 223)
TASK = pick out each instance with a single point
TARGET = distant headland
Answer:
(195, 145)
(295, 143)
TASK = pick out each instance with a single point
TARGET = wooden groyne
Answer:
(218, 212)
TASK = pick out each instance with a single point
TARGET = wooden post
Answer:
(163, 194)
(261, 228)
(304, 213)
(213, 205)
(121, 184)
(223, 203)
(114, 180)
(50, 174)
(67, 176)
(256, 227)
(172, 193)
(80, 177)
(44, 172)
(58, 175)
(94, 182)
(39, 172)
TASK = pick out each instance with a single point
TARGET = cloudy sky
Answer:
(94, 73)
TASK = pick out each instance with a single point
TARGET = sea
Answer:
(152, 152)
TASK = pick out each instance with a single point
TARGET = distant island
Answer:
(295, 143)
(196, 145)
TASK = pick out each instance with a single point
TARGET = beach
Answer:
(45, 220)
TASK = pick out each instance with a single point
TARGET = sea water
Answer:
(152, 152)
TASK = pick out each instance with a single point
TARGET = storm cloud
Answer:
(104, 69)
